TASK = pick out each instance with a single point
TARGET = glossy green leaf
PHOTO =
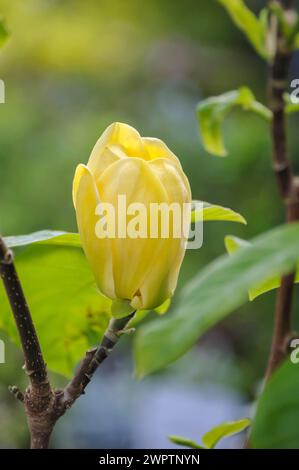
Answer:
(3, 32)
(69, 313)
(213, 212)
(212, 111)
(47, 237)
(234, 243)
(253, 27)
(275, 425)
(185, 442)
(212, 294)
(212, 437)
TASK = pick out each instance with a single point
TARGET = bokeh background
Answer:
(70, 69)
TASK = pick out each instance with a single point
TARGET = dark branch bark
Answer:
(94, 358)
(34, 363)
(43, 405)
(287, 185)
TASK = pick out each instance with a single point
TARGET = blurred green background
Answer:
(70, 69)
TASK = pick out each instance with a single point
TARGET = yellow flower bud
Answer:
(142, 271)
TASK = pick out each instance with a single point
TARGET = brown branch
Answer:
(38, 395)
(34, 364)
(43, 405)
(287, 185)
(94, 358)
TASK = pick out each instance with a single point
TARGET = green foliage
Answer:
(4, 34)
(212, 437)
(211, 112)
(69, 313)
(48, 237)
(276, 422)
(232, 244)
(214, 293)
(213, 212)
(289, 25)
(254, 28)
(185, 442)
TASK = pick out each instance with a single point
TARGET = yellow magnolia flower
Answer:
(141, 271)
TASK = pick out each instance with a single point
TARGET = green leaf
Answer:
(47, 237)
(234, 243)
(212, 111)
(69, 313)
(212, 294)
(185, 442)
(213, 212)
(4, 34)
(275, 425)
(212, 437)
(253, 27)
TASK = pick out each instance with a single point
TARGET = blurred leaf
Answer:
(212, 437)
(212, 294)
(185, 442)
(3, 32)
(288, 24)
(234, 243)
(213, 212)
(254, 28)
(69, 313)
(212, 111)
(275, 425)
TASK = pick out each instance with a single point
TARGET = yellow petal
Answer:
(132, 258)
(156, 148)
(97, 250)
(167, 265)
(117, 134)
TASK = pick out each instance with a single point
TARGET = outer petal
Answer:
(98, 251)
(121, 135)
(132, 258)
(156, 148)
(167, 265)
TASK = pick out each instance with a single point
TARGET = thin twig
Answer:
(94, 358)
